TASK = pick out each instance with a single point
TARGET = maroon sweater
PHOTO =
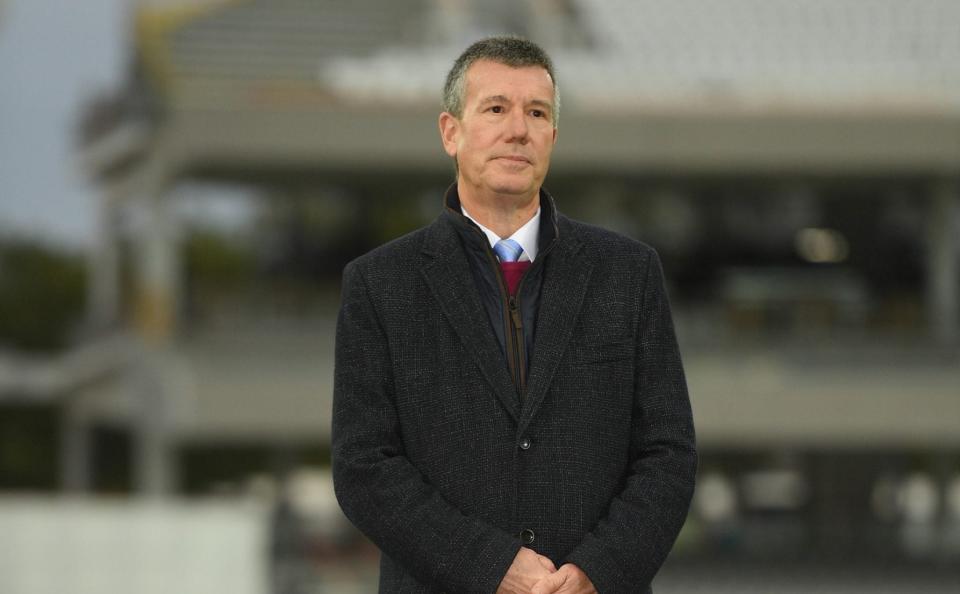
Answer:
(512, 273)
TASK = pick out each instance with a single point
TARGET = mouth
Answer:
(514, 159)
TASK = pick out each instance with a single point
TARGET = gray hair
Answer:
(509, 50)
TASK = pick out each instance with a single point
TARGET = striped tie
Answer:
(508, 250)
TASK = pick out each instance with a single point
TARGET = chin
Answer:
(519, 187)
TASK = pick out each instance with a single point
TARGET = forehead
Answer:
(485, 78)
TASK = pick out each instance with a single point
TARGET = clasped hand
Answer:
(531, 573)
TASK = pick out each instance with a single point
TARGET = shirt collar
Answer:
(526, 235)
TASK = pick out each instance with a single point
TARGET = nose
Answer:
(518, 128)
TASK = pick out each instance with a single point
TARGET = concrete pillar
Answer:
(103, 305)
(153, 449)
(157, 271)
(156, 262)
(943, 263)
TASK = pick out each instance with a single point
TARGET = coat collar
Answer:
(549, 231)
(565, 277)
(447, 272)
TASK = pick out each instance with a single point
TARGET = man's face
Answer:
(504, 139)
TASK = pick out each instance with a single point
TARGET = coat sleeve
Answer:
(626, 548)
(378, 487)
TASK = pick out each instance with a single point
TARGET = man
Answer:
(510, 416)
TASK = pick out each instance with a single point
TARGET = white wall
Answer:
(83, 546)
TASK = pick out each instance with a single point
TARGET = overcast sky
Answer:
(55, 55)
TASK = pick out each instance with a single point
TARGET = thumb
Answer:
(549, 584)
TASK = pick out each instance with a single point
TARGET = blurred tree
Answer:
(217, 269)
(29, 446)
(42, 296)
(217, 263)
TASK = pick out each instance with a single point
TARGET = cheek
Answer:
(546, 149)
(473, 150)
(480, 137)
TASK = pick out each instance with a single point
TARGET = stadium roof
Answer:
(735, 54)
(790, 86)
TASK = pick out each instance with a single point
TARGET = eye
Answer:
(496, 109)
(537, 113)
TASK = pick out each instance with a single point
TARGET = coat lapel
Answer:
(448, 275)
(565, 279)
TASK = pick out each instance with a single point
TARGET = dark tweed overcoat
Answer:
(440, 462)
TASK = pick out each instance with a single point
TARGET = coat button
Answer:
(527, 536)
(525, 443)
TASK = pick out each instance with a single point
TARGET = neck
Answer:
(502, 214)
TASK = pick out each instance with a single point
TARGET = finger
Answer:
(549, 584)
(547, 563)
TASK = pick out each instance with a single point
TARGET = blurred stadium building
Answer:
(796, 163)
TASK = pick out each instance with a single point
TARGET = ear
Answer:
(554, 135)
(449, 132)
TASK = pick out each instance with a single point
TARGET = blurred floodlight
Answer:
(715, 499)
(311, 495)
(311, 492)
(918, 498)
(953, 498)
(821, 246)
(775, 489)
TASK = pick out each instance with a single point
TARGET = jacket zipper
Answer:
(513, 326)
(513, 303)
(513, 320)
